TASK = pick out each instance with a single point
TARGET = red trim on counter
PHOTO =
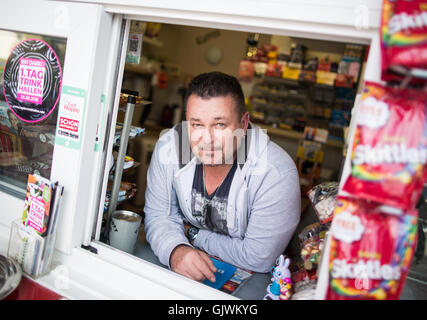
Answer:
(31, 290)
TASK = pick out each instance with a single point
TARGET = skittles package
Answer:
(370, 252)
(403, 36)
(389, 152)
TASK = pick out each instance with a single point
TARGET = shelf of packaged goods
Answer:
(298, 96)
(153, 41)
(268, 92)
(140, 101)
(283, 81)
(271, 106)
(323, 86)
(125, 169)
(281, 94)
(135, 165)
(126, 191)
(134, 132)
(295, 135)
(139, 69)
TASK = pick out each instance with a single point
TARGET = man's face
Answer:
(215, 128)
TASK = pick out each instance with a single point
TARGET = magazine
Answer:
(224, 272)
(37, 204)
(228, 277)
(239, 277)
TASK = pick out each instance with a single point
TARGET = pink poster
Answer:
(31, 80)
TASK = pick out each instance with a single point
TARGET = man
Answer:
(218, 186)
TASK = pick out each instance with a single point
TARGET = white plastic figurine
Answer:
(281, 276)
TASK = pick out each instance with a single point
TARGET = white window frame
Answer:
(345, 32)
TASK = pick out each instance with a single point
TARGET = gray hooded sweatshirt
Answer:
(263, 208)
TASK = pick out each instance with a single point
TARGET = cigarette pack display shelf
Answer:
(127, 190)
(133, 133)
(292, 95)
(138, 69)
(280, 101)
(129, 100)
(128, 166)
(124, 100)
(325, 99)
(135, 165)
(153, 41)
(296, 135)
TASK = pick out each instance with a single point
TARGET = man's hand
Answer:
(192, 263)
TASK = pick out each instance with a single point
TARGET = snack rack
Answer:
(128, 101)
(310, 152)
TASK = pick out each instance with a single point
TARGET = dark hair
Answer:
(217, 84)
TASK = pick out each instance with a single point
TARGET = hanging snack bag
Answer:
(312, 239)
(370, 252)
(323, 198)
(403, 36)
(389, 152)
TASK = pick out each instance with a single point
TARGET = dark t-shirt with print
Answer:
(211, 210)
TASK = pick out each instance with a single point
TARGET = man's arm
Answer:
(273, 219)
(165, 232)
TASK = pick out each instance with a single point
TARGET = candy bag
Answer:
(303, 278)
(312, 241)
(389, 150)
(403, 36)
(323, 198)
(370, 252)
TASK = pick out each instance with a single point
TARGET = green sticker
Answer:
(72, 107)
